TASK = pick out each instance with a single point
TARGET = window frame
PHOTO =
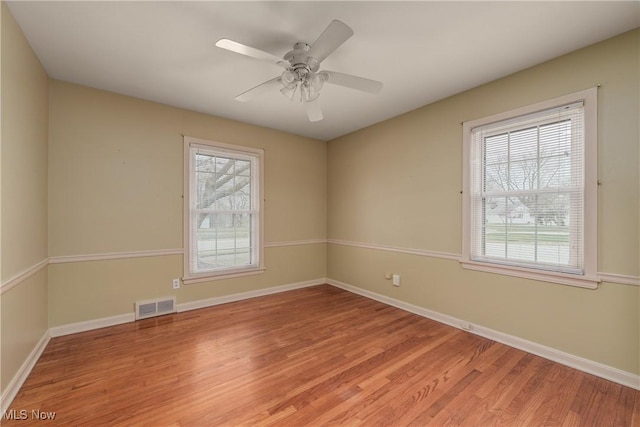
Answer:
(257, 183)
(589, 277)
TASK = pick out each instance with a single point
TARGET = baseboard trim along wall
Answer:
(598, 369)
(585, 365)
(209, 302)
(89, 325)
(16, 382)
(72, 328)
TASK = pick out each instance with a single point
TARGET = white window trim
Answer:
(189, 278)
(590, 278)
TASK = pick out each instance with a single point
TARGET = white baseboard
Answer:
(57, 331)
(595, 368)
(194, 305)
(19, 378)
(585, 365)
(89, 325)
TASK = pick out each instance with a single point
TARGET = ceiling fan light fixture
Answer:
(288, 79)
(316, 81)
(290, 82)
(309, 94)
(289, 91)
(311, 87)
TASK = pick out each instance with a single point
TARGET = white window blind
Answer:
(527, 191)
(223, 210)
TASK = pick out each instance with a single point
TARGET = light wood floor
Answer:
(312, 356)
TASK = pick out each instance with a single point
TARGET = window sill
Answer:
(230, 274)
(527, 273)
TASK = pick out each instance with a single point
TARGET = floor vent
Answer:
(155, 307)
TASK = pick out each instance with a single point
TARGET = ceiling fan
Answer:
(301, 66)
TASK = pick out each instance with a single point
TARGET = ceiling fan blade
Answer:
(353, 82)
(333, 36)
(314, 111)
(251, 52)
(261, 88)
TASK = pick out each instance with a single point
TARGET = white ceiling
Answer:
(422, 51)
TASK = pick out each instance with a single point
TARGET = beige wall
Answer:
(115, 185)
(23, 177)
(398, 183)
(90, 172)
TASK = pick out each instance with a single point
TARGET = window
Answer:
(223, 210)
(530, 190)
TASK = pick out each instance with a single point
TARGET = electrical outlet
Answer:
(395, 279)
(176, 283)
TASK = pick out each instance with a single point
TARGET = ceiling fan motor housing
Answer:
(300, 61)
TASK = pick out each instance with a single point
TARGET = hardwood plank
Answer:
(314, 356)
(387, 387)
(414, 390)
(440, 405)
(528, 400)
(557, 392)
